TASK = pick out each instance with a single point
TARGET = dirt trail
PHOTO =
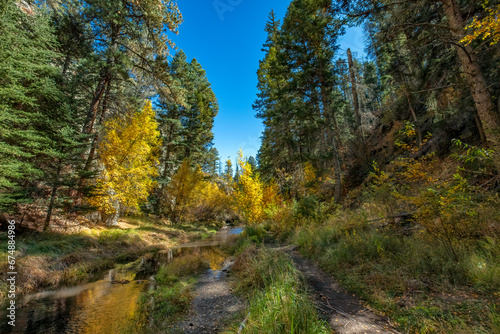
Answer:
(213, 305)
(344, 312)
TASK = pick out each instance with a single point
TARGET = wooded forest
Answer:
(367, 163)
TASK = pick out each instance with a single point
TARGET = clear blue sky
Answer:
(226, 38)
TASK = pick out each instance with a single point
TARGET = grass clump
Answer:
(277, 297)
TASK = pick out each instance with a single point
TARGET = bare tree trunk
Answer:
(338, 173)
(46, 225)
(95, 139)
(477, 84)
(357, 113)
(412, 111)
(480, 129)
(102, 89)
(94, 105)
(334, 139)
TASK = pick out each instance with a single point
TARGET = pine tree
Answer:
(186, 121)
(130, 42)
(297, 91)
(28, 94)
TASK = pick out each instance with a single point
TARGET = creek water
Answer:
(109, 305)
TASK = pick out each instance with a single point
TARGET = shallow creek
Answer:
(109, 305)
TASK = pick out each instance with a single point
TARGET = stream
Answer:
(109, 305)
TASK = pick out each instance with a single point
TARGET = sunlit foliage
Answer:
(249, 194)
(193, 195)
(487, 28)
(128, 156)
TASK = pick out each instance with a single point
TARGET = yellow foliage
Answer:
(128, 156)
(487, 28)
(256, 200)
(208, 202)
(192, 196)
(179, 192)
(445, 207)
(309, 179)
(249, 193)
(271, 195)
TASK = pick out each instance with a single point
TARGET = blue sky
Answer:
(226, 38)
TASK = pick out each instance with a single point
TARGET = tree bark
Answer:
(412, 111)
(477, 83)
(94, 105)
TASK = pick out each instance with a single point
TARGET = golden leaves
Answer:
(128, 156)
(487, 28)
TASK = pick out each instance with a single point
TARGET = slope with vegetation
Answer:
(387, 168)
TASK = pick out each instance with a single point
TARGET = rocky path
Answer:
(213, 304)
(344, 312)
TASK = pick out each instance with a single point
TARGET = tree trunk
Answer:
(95, 139)
(412, 111)
(477, 84)
(46, 225)
(111, 219)
(480, 129)
(53, 194)
(330, 117)
(94, 105)
(357, 113)
(338, 173)
(102, 89)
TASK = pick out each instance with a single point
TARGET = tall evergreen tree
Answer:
(28, 92)
(186, 120)
(297, 91)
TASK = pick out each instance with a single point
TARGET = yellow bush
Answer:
(449, 208)
(208, 203)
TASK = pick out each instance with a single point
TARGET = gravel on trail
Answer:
(213, 304)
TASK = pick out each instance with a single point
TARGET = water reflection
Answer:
(106, 306)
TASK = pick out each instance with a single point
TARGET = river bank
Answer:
(48, 260)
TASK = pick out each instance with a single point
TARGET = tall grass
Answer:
(278, 300)
(414, 278)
